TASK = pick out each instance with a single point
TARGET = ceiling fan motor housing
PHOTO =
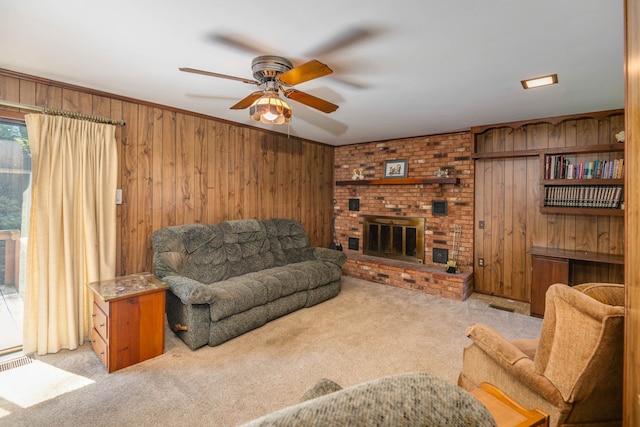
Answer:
(268, 67)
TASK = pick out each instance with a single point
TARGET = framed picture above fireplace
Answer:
(395, 169)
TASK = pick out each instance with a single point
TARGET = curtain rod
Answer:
(70, 114)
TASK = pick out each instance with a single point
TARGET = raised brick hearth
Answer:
(424, 156)
(425, 278)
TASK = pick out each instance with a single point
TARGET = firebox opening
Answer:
(398, 238)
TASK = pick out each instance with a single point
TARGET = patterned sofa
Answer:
(229, 278)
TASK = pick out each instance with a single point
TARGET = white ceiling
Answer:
(421, 67)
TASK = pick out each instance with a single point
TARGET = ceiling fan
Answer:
(275, 75)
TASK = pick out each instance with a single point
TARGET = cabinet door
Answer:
(545, 272)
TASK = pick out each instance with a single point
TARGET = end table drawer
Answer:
(100, 321)
(99, 346)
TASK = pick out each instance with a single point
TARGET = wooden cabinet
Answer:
(545, 272)
(128, 319)
(549, 266)
(582, 180)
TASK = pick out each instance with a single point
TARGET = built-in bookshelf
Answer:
(583, 180)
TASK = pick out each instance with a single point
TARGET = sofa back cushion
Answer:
(288, 240)
(213, 252)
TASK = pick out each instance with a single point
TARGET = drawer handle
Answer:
(179, 327)
(101, 325)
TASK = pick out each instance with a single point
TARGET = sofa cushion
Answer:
(195, 236)
(317, 273)
(238, 294)
(288, 241)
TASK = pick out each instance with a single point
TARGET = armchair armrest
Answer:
(330, 255)
(515, 362)
(190, 291)
(494, 344)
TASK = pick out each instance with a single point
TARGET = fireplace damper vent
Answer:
(392, 237)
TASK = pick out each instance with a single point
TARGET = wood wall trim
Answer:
(631, 398)
(549, 120)
(506, 154)
(12, 115)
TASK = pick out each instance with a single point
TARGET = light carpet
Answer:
(368, 331)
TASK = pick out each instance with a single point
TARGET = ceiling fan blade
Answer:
(310, 100)
(343, 40)
(222, 76)
(247, 101)
(240, 43)
(305, 72)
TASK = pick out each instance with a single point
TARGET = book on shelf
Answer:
(556, 166)
(584, 196)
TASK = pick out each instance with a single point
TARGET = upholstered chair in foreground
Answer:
(573, 371)
(402, 400)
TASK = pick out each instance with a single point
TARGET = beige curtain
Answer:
(72, 228)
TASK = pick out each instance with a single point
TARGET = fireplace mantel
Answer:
(400, 181)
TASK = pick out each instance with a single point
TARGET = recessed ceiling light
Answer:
(540, 81)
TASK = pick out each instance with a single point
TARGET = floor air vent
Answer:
(15, 363)
(500, 307)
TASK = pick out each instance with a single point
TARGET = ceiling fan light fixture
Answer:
(270, 109)
(540, 81)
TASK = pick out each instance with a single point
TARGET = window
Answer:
(15, 178)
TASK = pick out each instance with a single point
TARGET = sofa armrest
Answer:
(190, 291)
(515, 362)
(331, 255)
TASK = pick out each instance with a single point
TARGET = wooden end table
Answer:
(128, 319)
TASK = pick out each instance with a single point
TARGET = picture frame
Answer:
(395, 169)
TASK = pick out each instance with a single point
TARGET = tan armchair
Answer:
(573, 371)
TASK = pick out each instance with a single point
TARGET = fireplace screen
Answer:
(394, 237)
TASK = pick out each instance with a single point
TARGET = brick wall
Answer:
(425, 156)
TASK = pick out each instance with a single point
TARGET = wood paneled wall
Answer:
(508, 202)
(177, 168)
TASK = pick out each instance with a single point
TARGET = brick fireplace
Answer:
(442, 207)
